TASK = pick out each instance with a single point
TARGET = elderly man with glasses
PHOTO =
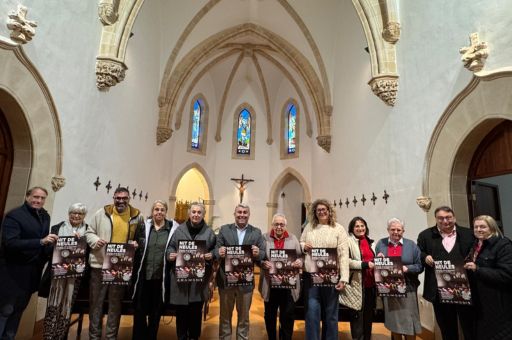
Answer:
(113, 223)
(446, 241)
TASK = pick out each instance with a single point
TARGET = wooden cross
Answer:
(242, 185)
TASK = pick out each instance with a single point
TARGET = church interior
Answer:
(387, 108)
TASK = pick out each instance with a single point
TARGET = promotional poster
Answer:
(452, 283)
(190, 263)
(389, 276)
(239, 266)
(118, 263)
(324, 267)
(282, 273)
(69, 257)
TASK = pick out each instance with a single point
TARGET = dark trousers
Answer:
(188, 320)
(446, 317)
(282, 300)
(10, 314)
(148, 310)
(361, 320)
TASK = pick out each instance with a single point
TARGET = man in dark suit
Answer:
(238, 233)
(26, 247)
(446, 241)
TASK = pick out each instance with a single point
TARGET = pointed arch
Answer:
(472, 114)
(209, 200)
(275, 189)
(32, 117)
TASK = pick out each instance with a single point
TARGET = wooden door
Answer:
(6, 158)
(485, 200)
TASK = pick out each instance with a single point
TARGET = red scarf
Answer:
(367, 256)
(278, 242)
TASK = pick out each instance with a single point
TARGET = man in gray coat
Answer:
(238, 233)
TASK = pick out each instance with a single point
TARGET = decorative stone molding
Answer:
(382, 30)
(118, 17)
(108, 11)
(163, 134)
(271, 205)
(109, 73)
(474, 56)
(324, 142)
(22, 29)
(424, 203)
(58, 182)
(385, 87)
(391, 32)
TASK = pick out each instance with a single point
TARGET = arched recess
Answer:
(473, 113)
(208, 201)
(276, 189)
(33, 121)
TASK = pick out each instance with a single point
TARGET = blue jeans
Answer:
(321, 305)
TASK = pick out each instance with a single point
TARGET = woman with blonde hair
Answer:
(490, 272)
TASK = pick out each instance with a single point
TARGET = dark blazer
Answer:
(22, 253)
(228, 236)
(490, 285)
(430, 243)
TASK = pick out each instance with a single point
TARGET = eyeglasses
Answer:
(76, 213)
(123, 198)
(321, 209)
(282, 225)
(444, 218)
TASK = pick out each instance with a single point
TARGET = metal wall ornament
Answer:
(146, 197)
(140, 195)
(108, 186)
(355, 201)
(363, 200)
(347, 202)
(97, 183)
(134, 193)
(385, 197)
(374, 198)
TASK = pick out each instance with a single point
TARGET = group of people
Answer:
(27, 242)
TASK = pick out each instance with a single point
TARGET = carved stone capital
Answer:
(109, 73)
(163, 133)
(391, 32)
(424, 203)
(474, 56)
(22, 29)
(385, 87)
(324, 142)
(58, 182)
(108, 11)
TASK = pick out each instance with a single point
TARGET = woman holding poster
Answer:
(402, 316)
(490, 268)
(150, 272)
(190, 251)
(280, 283)
(63, 290)
(325, 243)
(359, 294)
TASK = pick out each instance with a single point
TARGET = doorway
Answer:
(490, 177)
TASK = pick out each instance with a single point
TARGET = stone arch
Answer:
(275, 190)
(472, 114)
(33, 120)
(209, 201)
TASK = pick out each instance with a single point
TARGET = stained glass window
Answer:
(196, 124)
(243, 134)
(291, 126)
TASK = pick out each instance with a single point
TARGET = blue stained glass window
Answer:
(292, 125)
(243, 133)
(196, 124)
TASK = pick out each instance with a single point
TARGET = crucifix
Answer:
(242, 185)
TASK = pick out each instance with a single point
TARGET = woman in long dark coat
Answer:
(490, 272)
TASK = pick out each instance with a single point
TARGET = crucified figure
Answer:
(242, 185)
